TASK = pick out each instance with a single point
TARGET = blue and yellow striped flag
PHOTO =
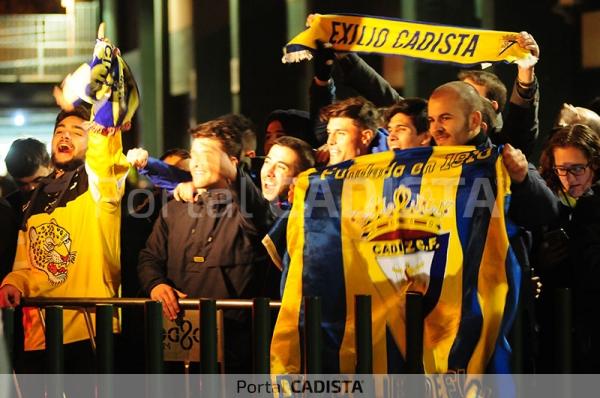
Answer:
(106, 83)
(424, 219)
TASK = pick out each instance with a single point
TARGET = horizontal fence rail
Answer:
(70, 302)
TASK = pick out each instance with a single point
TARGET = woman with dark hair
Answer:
(570, 256)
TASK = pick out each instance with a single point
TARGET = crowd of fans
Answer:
(190, 223)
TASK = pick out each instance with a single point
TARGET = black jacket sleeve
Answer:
(521, 123)
(586, 226)
(152, 265)
(533, 204)
(366, 81)
(9, 232)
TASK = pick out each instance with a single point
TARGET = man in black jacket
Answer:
(212, 247)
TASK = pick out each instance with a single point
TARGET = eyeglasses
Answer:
(577, 170)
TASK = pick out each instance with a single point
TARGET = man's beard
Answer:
(69, 165)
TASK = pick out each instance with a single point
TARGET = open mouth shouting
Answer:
(64, 147)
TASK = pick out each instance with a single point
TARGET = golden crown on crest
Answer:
(407, 211)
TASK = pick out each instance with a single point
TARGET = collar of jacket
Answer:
(481, 139)
(215, 197)
(52, 185)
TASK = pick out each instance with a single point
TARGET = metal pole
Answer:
(54, 340)
(105, 350)
(104, 338)
(8, 321)
(261, 335)
(54, 351)
(414, 333)
(517, 341)
(563, 326)
(364, 337)
(70, 302)
(313, 335)
(154, 350)
(208, 336)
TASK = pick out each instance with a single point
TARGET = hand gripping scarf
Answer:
(438, 43)
(106, 82)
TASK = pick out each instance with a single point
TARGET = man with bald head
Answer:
(455, 115)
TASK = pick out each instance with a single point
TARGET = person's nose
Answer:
(270, 170)
(331, 139)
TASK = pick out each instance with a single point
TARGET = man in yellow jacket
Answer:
(69, 242)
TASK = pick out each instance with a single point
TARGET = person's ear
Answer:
(250, 154)
(234, 160)
(366, 137)
(425, 139)
(495, 105)
(475, 120)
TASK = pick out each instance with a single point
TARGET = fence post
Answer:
(208, 336)
(54, 339)
(364, 338)
(105, 349)
(563, 326)
(154, 350)
(414, 333)
(104, 338)
(313, 335)
(261, 335)
(54, 351)
(8, 322)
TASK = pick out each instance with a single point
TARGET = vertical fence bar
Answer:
(8, 322)
(105, 347)
(414, 333)
(154, 351)
(364, 338)
(517, 340)
(313, 335)
(563, 326)
(209, 348)
(261, 333)
(104, 338)
(208, 336)
(54, 339)
(54, 351)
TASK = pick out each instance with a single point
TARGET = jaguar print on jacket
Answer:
(50, 251)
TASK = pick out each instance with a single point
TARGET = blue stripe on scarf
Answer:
(323, 272)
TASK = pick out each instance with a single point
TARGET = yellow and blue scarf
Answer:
(386, 36)
(106, 82)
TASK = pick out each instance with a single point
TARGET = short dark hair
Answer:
(579, 136)
(303, 150)
(25, 156)
(488, 115)
(415, 108)
(246, 128)
(362, 111)
(82, 111)
(229, 137)
(181, 153)
(495, 90)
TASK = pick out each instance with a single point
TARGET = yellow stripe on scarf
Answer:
(441, 43)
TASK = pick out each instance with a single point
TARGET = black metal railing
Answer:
(261, 331)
